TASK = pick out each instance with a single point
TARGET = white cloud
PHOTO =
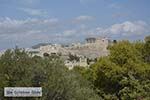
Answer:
(34, 12)
(28, 31)
(12, 26)
(128, 28)
(31, 31)
(83, 18)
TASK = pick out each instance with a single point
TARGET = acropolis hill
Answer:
(93, 48)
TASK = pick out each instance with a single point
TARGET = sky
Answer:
(28, 22)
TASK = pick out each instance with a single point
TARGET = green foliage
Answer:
(15, 70)
(73, 57)
(123, 75)
(19, 69)
(147, 38)
(147, 51)
(124, 51)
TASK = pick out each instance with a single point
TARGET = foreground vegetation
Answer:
(18, 69)
(123, 75)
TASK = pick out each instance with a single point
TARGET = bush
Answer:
(18, 69)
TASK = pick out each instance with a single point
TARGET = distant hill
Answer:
(40, 44)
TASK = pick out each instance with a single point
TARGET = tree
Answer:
(18, 69)
(15, 70)
(73, 57)
(122, 75)
(123, 51)
(46, 55)
(114, 41)
(146, 50)
(147, 38)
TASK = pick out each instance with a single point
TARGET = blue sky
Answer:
(28, 22)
